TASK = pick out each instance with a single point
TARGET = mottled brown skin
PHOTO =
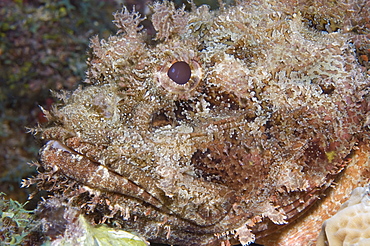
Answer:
(254, 138)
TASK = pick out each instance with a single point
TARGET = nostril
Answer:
(160, 119)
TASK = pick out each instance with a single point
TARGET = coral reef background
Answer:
(43, 47)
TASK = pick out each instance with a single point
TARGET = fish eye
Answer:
(179, 72)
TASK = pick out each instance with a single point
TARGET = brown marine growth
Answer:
(252, 139)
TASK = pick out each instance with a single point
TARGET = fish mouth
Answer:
(76, 166)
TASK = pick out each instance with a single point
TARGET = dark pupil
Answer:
(179, 72)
